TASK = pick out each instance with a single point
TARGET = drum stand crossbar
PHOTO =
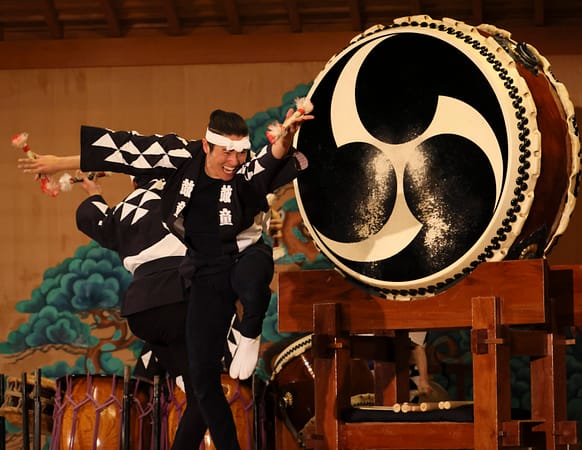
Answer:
(511, 307)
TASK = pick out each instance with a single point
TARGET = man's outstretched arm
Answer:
(49, 164)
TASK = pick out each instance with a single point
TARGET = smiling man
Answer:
(215, 203)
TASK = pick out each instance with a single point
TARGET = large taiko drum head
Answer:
(436, 146)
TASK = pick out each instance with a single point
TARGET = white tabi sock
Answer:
(245, 358)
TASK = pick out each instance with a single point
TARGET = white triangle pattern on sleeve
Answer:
(129, 147)
(116, 157)
(179, 153)
(141, 163)
(100, 206)
(145, 358)
(126, 209)
(105, 141)
(154, 149)
(139, 213)
(165, 162)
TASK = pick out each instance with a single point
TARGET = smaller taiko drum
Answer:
(293, 381)
(88, 413)
(238, 395)
(12, 405)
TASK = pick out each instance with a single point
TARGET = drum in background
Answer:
(12, 405)
(293, 383)
(436, 146)
(89, 413)
(240, 399)
(174, 405)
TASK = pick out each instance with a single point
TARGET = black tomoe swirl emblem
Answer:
(408, 160)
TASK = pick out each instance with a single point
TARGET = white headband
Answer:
(218, 139)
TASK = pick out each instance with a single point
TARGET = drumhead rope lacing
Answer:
(89, 411)
(143, 412)
(247, 408)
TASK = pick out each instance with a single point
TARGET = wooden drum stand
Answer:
(511, 307)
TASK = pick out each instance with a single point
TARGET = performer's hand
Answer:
(92, 187)
(424, 387)
(48, 164)
(276, 225)
(292, 124)
(294, 121)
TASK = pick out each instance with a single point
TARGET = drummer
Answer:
(215, 204)
(153, 305)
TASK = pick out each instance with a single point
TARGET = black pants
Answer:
(210, 309)
(164, 330)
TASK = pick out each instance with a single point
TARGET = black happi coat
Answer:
(182, 163)
(134, 229)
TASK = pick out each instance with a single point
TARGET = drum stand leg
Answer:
(258, 394)
(25, 435)
(37, 412)
(2, 419)
(126, 410)
(156, 413)
(491, 356)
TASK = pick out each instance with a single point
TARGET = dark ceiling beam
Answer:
(111, 16)
(232, 17)
(226, 48)
(477, 7)
(356, 15)
(52, 20)
(174, 25)
(294, 16)
(415, 7)
(539, 13)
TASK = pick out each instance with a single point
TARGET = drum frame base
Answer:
(511, 307)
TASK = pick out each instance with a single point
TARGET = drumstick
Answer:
(20, 141)
(276, 234)
(394, 408)
(66, 181)
(453, 404)
(47, 184)
(276, 130)
(410, 407)
(429, 406)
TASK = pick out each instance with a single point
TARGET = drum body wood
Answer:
(436, 146)
(89, 413)
(240, 398)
